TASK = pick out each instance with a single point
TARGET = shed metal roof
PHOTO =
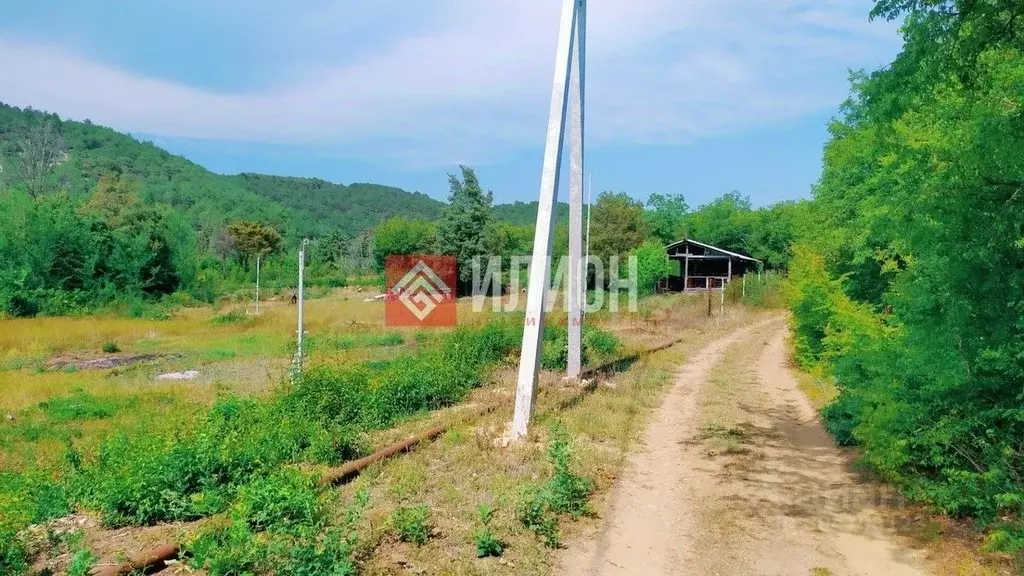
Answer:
(722, 250)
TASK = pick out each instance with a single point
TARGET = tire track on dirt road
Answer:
(737, 478)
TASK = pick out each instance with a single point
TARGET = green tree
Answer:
(251, 238)
(617, 225)
(400, 235)
(652, 265)
(666, 217)
(462, 229)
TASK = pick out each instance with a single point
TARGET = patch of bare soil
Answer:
(108, 546)
(739, 478)
(104, 362)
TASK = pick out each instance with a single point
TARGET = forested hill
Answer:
(525, 213)
(321, 207)
(295, 206)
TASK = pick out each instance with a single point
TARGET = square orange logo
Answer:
(420, 290)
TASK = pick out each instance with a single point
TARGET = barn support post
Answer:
(686, 271)
(540, 263)
(707, 284)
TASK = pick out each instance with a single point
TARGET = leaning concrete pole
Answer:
(540, 263)
(577, 283)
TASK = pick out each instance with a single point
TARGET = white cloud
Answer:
(472, 80)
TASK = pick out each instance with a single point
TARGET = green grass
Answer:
(80, 405)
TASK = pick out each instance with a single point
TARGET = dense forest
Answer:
(908, 276)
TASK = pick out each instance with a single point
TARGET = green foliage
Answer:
(908, 288)
(536, 513)
(111, 348)
(412, 523)
(567, 491)
(81, 563)
(286, 500)
(617, 226)
(463, 228)
(487, 544)
(564, 493)
(651, 266)
(598, 345)
(666, 218)
(231, 317)
(400, 235)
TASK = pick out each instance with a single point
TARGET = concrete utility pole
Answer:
(577, 90)
(301, 301)
(540, 263)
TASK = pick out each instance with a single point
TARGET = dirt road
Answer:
(736, 477)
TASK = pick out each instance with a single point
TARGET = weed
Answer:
(568, 491)
(564, 493)
(111, 348)
(81, 563)
(820, 571)
(412, 523)
(534, 511)
(486, 542)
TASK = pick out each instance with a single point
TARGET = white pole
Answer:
(577, 116)
(540, 263)
(302, 301)
(257, 284)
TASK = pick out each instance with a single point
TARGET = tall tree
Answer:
(462, 229)
(252, 238)
(666, 217)
(41, 149)
(617, 225)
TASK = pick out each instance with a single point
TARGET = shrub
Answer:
(412, 523)
(232, 317)
(486, 542)
(111, 348)
(286, 500)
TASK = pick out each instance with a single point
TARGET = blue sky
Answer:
(697, 97)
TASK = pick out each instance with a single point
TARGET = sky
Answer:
(695, 97)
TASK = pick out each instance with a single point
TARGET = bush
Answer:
(232, 317)
(111, 348)
(286, 500)
(412, 523)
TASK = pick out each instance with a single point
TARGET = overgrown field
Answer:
(133, 451)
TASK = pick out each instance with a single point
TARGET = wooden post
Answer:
(686, 271)
(729, 275)
(744, 286)
(707, 284)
